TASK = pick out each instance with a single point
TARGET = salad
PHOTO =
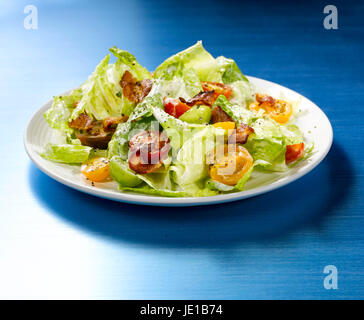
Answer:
(194, 127)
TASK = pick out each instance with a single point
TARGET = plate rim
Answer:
(141, 199)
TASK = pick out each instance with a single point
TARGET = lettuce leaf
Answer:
(119, 144)
(175, 80)
(177, 130)
(159, 180)
(140, 119)
(199, 189)
(66, 153)
(240, 185)
(237, 112)
(242, 93)
(57, 116)
(190, 166)
(127, 61)
(195, 64)
(230, 70)
(267, 145)
(292, 134)
(148, 190)
(231, 75)
(196, 58)
(102, 94)
(122, 174)
(218, 186)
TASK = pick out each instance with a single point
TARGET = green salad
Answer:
(194, 127)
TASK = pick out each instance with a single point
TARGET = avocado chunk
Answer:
(197, 114)
(121, 173)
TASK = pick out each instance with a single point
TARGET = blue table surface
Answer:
(59, 243)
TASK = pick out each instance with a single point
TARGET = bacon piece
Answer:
(148, 150)
(153, 144)
(241, 134)
(204, 97)
(219, 115)
(135, 90)
(263, 98)
(111, 123)
(218, 88)
(82, 122)
(136, 164)
(154, 139)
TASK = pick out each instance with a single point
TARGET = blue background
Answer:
(58, 243)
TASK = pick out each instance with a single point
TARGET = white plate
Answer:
(312, 121)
